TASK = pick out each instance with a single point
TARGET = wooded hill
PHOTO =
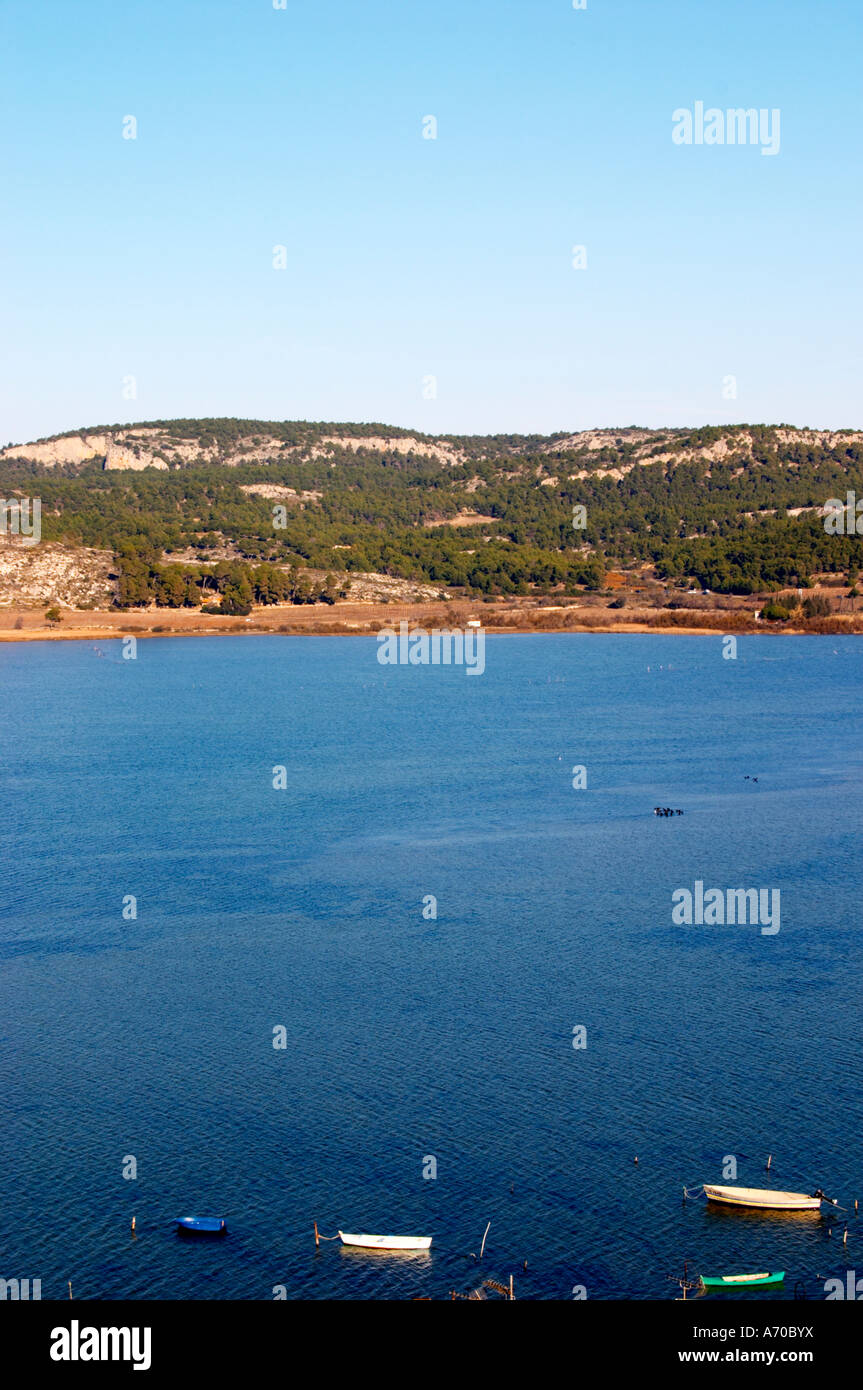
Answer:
(733, 509)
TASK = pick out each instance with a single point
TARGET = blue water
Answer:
(409, 1037)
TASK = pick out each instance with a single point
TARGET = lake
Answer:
(417, 1042)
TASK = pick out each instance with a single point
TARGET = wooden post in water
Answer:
(845, 1236)
(317, 1238)
(511, 1294)
(769, 1161)
(133, 1225)
(70, 1288)
(482, 1247)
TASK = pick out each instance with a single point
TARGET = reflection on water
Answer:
(419, 1257)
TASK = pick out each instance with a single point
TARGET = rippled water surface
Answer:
(409, 1037)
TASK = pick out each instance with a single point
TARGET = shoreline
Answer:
(632, 630)
(366, 620)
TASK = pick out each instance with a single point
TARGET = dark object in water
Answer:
(666, 811)
(201, 1226)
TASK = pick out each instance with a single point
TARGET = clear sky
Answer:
(411, 258)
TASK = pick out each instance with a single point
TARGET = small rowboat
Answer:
(762, 1197)
(386, 1242)
(731, 1281)
(201, 1226)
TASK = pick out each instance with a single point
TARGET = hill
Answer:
(248, 511)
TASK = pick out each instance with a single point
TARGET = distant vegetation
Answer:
(142, 580)
(718, 523)
(776, 612)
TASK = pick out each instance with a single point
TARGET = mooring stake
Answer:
(482, 1247)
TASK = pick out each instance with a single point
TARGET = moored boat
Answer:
(764, 1198)
(366, 1242)
(731, 1281)
(201, 1225)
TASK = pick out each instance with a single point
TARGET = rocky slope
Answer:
(182, 443)
(48, 573)
(157, 447)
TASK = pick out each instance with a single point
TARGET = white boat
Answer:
(386, 1242)
(762, 1197)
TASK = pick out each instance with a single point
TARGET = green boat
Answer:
(734, 1281)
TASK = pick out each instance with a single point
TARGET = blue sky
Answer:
(409, 258)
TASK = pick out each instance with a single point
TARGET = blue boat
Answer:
(201, 1226)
